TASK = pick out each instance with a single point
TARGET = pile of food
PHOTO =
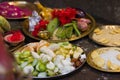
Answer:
(14, 37)
(59, 24)
(107, 59)
(9, 10)
(45, 59)
(107, 35)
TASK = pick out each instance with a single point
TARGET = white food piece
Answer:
(42, 74)
(66, 69)
(43, 43)
(118, 56)
(111, 56)
(28, 69)
(79, 49)
(71, 51)
(50, 65)
(46, 50)
(68, 46)
(77, 53)
(67, 62)
(45, 57)
(54, 46)
(35, 62)
(83, 56)
(59, 65)
(56, 70)
(58, 59)
(24, 64)
(35, 55)
(68, 59)
(32, 44)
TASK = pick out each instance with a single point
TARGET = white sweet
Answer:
(45, 57)
(50, 65)
(28, 69)
(48, 51)
(54, 46)
(35, 55)
(110, 55)
(42, 74)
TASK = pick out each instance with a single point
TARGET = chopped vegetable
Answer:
(61, 33)
(28, 69)
(54, 59)
(42, 74)
(50, 66)
(52, 25)
(69, 32)
(75, 28)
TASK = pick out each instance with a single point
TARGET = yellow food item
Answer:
(103, 40)
(118, 56)
(117, 30)
(45, 12)
(108, 64)
(113, 66)
(94, 54)
(116, 43)
(98, 61)
(27, 48)
(98, 31)
(112, 32)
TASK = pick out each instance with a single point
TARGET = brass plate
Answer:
(109, 35)
(24, 5)
(13, 48)
(57, 76)
(83, 34)
(101, 51)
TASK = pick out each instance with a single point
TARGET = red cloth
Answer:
(5, 61)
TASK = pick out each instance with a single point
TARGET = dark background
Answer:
(108, 10)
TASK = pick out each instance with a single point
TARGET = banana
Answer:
(4, 24)
(45, 12)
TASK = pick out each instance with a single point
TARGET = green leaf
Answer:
(52, 25)
(76, 28)
(69, 31)
(61, 33)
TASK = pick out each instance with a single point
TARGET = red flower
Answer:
(40, 26)
(16, 36)
(64, 15)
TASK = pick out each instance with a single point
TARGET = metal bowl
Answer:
(23, 5)
(109, 35)
(83, 34)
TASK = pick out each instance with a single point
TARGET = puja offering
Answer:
(47, 60)
(16, 9)
(55, 24)
(8, 34)
(53, 40)
(14, 38)
(105, 59)
(108, 35)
